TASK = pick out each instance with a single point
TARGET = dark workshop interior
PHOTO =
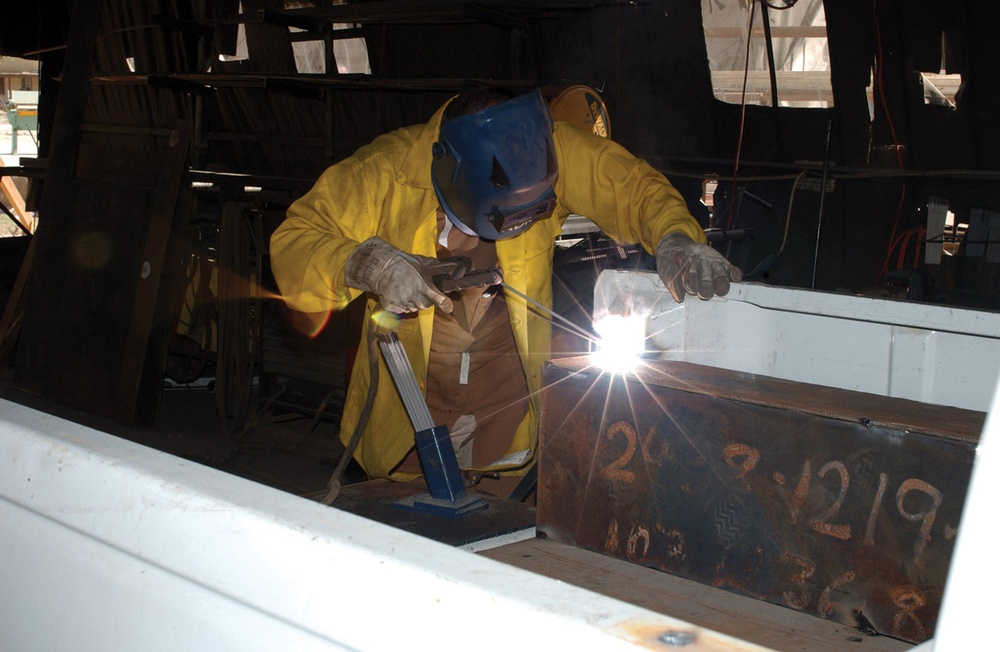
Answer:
(847, 147)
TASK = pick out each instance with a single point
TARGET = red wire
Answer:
(903, 241)
(895, 141)
(918, 235)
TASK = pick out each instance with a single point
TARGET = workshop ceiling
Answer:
(159, 61)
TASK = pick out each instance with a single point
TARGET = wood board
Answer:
(773, 626)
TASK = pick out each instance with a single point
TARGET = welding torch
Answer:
(453, 274)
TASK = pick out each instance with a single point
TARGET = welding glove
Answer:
(686, 266)
(399, 279)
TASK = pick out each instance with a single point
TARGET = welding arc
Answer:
(548, 311)
(406, 380)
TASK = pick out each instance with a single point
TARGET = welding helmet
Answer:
(493, 170)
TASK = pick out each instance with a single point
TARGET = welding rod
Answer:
(573, 327)
(406, 380)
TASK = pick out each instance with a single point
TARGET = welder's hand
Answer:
(686, 266)
(398, 278)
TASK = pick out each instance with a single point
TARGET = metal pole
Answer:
(822, 200)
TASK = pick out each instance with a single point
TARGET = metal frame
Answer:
(935, 354)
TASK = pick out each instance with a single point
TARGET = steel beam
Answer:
(832, 502)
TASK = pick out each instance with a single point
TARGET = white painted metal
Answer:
(967, 610)
(929, 353)
(109, 545)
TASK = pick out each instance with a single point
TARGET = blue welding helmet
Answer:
(493, 170)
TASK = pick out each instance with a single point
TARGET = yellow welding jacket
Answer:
(384, 189)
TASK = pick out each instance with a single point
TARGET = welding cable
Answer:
(743, 116)
(334, 484)
(321, 408)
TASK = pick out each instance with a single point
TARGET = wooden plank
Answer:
(772, 626)
(10, 322)
(17, 204)
(95, 321)
(102, 301)
(71, 347)
(145, 357)
(43, 291)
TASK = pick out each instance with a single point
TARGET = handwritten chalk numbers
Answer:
(803, 569)
(744, 459)
(908, 599)
(616, 470)
(822, 523)
(926, 517)
(815, 501)
(883, 482)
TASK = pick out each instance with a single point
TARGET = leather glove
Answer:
(687, 266)
(398, 278)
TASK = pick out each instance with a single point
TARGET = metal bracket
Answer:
(447, 495)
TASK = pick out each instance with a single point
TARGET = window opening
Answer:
(350, 54)
(738, 51)
(941, 87)
(19, 92)
(241, 54)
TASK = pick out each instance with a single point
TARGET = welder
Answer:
(490, 177)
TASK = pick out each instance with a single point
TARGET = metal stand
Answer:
(447, 495)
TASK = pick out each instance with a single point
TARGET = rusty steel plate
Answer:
(836, 503)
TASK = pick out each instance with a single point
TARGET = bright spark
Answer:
(622, 342)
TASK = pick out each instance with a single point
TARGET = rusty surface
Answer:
(835, 503)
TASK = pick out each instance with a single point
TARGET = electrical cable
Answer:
(786, 4)
(902, 241)
(769, 47)
(321, 408)
(822, 200)
(765, 264)
(334, 484)
(879, 63)
(743, 115)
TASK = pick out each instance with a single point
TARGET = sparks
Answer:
(622, 342)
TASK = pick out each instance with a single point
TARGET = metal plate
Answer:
(836, 503)
(376, 500)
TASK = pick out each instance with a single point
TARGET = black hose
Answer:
(333, 486)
